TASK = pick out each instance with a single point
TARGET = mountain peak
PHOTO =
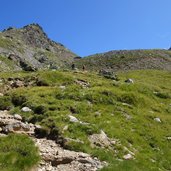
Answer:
(33, 27)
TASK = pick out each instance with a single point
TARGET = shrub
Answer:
(40, 109)
(18, 100)
(42, 83)
(5, 103)
(129, 98)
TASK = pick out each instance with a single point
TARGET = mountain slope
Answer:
(127, 125)
(128, 60)
(29, 47)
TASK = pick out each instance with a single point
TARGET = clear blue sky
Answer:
(92, 26)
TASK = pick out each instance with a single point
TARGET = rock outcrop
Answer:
(53, 156)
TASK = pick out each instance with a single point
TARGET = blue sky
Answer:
(92, 26)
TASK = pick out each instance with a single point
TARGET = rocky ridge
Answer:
(29, 48)
(124, 60)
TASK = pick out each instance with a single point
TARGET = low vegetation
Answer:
(125, 112)
(17, 152)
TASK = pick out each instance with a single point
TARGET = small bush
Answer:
(42, 83)
(42, 132)
(129, 98)
(163, 95)
(18, 100)
(5, 103)
(40, 109)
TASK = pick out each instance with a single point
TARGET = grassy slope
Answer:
(128, 60)
(132, 124)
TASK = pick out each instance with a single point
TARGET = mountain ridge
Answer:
(29, 48)
(30, 45)
(123, 60)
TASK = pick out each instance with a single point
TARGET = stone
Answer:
(26, 109)
(38, 126)
(1, 94)
(157, 119)
(82, 83)
(16, 126)
(8, 129)
(128, 157)
(129, 80)
(62, 87)
(17, 83)
(108, 74)
(168, 138)
(101, 140)
(65, 128)
(97, 114)
(56, 158)
(73, 119)
(25, 127)
(18, 117)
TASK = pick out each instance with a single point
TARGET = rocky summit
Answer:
(29, 49)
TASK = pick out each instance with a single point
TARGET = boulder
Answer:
(26, 109)
(17, 117)
(101, 140)
(128, 157)
(130, 81)
(157, 119)
(108, 74)
(73, 119)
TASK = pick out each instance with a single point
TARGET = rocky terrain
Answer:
(53, 118)
(125, 60)
(53, 156)
(29, 49)
(85, 121)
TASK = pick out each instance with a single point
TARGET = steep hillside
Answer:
(128, 60)
(126, 124)
(29, 48)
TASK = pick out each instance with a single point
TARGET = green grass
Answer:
(7, 64)
(5, 43)
(127, 113)
(17, 152)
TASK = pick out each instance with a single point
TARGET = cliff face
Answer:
(30, 48)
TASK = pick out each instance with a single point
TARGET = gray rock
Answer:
(168, 138)
(101, 140)
(128, 157)
(157, 119)
(73, 119)
(18, 117)
(65, 128)
(62, 87)
(25, 127)
(8, 129)
(26, 109)
(130, 81)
